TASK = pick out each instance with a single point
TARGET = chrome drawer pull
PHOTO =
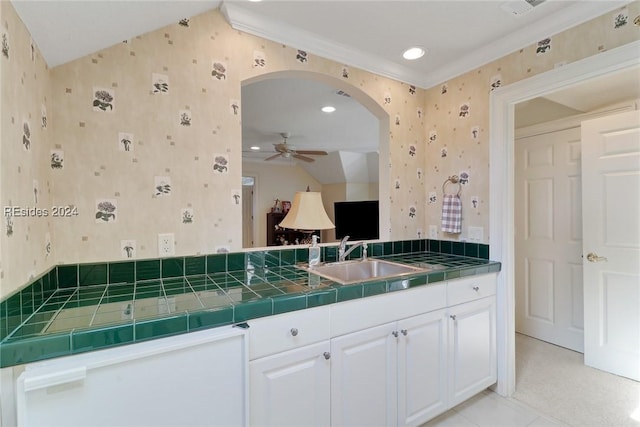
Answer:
(294, 331)
(476, 288)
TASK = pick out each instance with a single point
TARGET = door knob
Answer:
(327, 355)
(592, 257)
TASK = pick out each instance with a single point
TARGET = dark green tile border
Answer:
(285, 304)
(92, 274)
(122, 272)
(235, 261)
(95, 339)
(68, 276)
(148, 269)
(30, 350)
(252, 310)
(162, 327)
(374, 288)
(217, 263)
(483, 251)
(349, 292)
(172, 267)
(457, 248)
(195, 265)
(322, 297)
(210, 318)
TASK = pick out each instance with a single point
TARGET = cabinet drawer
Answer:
(470, 288)
(364, 313)
(287, 331)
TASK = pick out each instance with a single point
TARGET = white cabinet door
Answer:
(472, 348)
(422, 368)
(291, 388)
(363, 377)
(193, 379)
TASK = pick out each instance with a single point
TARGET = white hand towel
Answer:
(451, 214)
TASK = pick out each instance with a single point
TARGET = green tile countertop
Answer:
(143, 306)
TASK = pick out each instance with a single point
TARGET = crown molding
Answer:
(574, 15)
(243, 20)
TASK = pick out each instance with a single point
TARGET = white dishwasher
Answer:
(194, 379)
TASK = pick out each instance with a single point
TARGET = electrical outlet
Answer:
(166, 245)
(433, 231)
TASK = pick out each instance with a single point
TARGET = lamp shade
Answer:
(307, 213)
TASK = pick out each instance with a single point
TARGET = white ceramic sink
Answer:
(347, 272)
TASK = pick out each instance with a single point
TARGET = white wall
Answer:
(274, 181)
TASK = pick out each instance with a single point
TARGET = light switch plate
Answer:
(475, 234)
(433, 231)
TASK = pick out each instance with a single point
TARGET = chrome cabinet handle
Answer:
(593, 257)
(395, 334)
(476, 288)
(453, 316)
(327, 355)
(404, 332)
(294, 331)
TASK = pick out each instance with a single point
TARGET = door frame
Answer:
(501, 173)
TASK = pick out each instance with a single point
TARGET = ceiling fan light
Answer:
(328, 109)
(413, 53)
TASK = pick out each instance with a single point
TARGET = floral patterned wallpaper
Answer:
(151, 135)
(143, 138)
(457, 112)
(28, 159)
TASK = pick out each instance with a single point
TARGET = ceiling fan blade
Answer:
(303, 158)
(312, 152)
(273, 157)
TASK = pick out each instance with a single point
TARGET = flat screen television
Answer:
(358, 220)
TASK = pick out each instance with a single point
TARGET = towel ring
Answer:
(454, 179)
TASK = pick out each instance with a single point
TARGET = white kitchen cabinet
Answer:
(193, 379)
(291, 388)
(289, 369)
(364, 377)
(407, 372)
(394, 372)
(422, 368)
(472, 337)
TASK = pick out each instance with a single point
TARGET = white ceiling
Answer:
(459, 36)
(289, 105)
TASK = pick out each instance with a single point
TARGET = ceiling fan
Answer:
(284, 150)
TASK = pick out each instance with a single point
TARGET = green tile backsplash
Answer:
(78, 308)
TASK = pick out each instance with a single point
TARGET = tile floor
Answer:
(488, 409)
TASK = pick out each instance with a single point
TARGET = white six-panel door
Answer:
(548, 242)
(611, 221)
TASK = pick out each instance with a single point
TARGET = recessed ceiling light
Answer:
(255, 1)
(413, 53)
(328, 109)
(255, 148)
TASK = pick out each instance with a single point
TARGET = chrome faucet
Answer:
(343, 252)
